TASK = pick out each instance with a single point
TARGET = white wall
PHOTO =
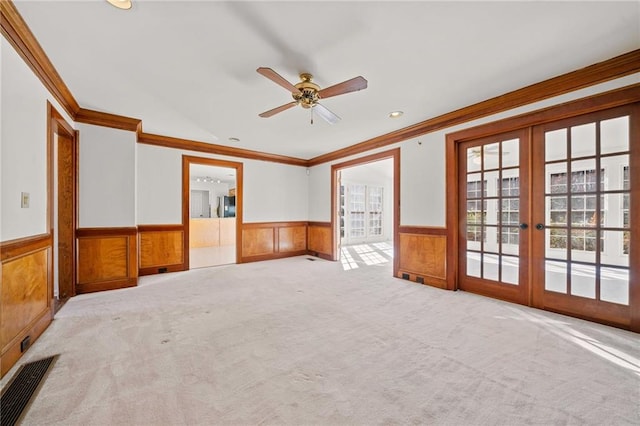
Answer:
(107, 161)
(422, 168)
(23, 146)
(271, 191)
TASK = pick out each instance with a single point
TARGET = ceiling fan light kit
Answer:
(307, 94)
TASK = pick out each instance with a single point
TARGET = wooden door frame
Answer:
(187, 160)
(393, 154)
(607, 100)
(56, 124)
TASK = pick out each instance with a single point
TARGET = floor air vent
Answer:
(22, 388)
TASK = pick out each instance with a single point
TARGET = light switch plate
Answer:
(24, 200)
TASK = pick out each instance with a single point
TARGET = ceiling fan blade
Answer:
(281, 108)
(353, 85)
(323, 112)
(278, 79)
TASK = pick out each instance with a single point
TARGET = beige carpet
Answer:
(299, 342)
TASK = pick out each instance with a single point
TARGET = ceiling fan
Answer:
(307, 94)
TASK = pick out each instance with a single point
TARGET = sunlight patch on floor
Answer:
(357, 255)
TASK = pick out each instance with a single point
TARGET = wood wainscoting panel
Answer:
(258, 242)
(161, 248)
(292, 238)
(422, 256)
(26, 289)
(107, 259)
(273, 240)
(319, 241)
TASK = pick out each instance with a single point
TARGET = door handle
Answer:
(540, 227)
(523, 226)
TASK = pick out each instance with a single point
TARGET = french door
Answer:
(547, 214)
(494, 200)
(585, 190)
(361, 213)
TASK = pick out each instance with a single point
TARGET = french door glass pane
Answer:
(556, 145)
(474, 159)
(583, 140)
(511, 153)
(583, 280)
(555, 276)
(510, 269)
(614, 285)
(490, 268)
(473, 264)
(491, 154)
(614, 135)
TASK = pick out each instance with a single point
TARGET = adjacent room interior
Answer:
(212, 216)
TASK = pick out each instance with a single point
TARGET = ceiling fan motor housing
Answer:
(308, 95)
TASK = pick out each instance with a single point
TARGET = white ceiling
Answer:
(187, 69)
(224, 174)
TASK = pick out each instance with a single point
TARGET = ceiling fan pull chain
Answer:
(311, 114)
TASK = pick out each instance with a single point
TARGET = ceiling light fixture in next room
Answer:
(121, 4)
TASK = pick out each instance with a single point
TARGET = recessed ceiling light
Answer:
(121, 4)
(234, 140)
(395, 114)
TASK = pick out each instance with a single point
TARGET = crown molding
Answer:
(16, 31)
(97, 118)
(619, 66)
(190, 145)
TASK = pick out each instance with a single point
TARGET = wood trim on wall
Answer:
(319, 239)
(610, 99)
(16, 31)
(161, 249)
(619, 66)
(56, 124)
(160, 228)
(273, 240)
(187, 160)
(422, 256)
(107, 258)
(190, 145)
(20, 246)
(423, 230)
(394, 154)
(105, 119)
(26, 307)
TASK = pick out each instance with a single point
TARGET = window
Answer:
(357, 196)
(364, 211)
(375, 210)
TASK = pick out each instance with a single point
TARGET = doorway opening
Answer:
(212, 214)
(365, 205)
(63, 169)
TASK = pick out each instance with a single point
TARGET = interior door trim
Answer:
(618, 97)
(605, 101)
(56, 124)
